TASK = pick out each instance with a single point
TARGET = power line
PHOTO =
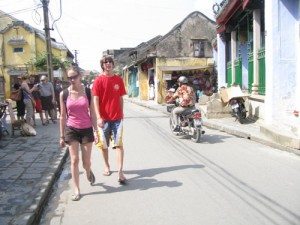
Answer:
(20, 11)
(56, 28)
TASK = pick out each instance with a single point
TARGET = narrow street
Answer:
(222, 180)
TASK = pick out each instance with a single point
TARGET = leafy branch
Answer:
(40, 62)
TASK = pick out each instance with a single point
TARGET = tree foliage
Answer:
(40, 63)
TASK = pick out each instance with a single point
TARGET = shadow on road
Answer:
(142, 182)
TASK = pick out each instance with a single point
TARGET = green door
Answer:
(261, 72)
(250, 71)
(238, 71)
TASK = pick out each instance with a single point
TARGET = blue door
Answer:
(133, 90)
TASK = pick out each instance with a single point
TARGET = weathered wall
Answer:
(178, 43)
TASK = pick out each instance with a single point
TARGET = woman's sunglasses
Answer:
(73, 77)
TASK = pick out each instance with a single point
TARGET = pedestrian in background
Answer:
(77, 120)
(108, 91)
(28, 100)
(20, 104)
(57, 89)
(47, 98)
(37, 98)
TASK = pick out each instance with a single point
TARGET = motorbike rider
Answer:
(186, 100)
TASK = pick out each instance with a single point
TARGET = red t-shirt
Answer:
(109, 89)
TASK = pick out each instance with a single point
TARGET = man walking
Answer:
(47, 98)
(108, 91)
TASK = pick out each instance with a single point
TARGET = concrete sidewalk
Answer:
(250, 129)
(28, 168)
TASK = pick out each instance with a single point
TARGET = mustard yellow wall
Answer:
(144, 86)
(42, 48)
(1, 46)
(35, 45)
(11, 59)
(18, 59)
(160, 62)
(125, 79)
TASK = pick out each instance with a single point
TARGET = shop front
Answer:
(202, 79)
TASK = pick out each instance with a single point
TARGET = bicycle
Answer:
(3, 123)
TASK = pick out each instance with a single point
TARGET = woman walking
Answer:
(77, 120)
(20, 104)
(28, 100)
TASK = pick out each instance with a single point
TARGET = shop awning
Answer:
(182, 68)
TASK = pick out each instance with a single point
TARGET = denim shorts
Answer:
(112, 131)
(83, 136)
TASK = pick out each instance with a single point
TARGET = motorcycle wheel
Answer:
(240, 117)
(196, 135)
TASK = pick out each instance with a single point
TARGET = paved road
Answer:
(223, 180)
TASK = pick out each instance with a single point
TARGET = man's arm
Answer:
(100, 122)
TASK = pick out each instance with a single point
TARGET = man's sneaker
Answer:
(177, 128)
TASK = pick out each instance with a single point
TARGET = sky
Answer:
(93, 26)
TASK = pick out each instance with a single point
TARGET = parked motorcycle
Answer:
(235, 98)
(238, 108)
(190, 123)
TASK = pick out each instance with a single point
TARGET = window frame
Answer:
(18, 48)
(198, 46)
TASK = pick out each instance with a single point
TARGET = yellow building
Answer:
(20, 44)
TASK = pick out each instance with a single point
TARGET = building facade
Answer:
(154, 66)
(258, 48)
(20, 45)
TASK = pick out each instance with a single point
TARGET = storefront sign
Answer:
(167, 77)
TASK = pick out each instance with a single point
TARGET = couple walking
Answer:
(87, 118)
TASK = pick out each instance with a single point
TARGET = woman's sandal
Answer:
(106, 173)
(91, 178)
(122, 181)
(76, 197)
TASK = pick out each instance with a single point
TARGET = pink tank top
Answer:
(78, 113)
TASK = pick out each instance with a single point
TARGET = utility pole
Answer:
(76, 53)
(48, 39)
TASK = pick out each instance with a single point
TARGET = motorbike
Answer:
(238, 108)
(190, 123)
